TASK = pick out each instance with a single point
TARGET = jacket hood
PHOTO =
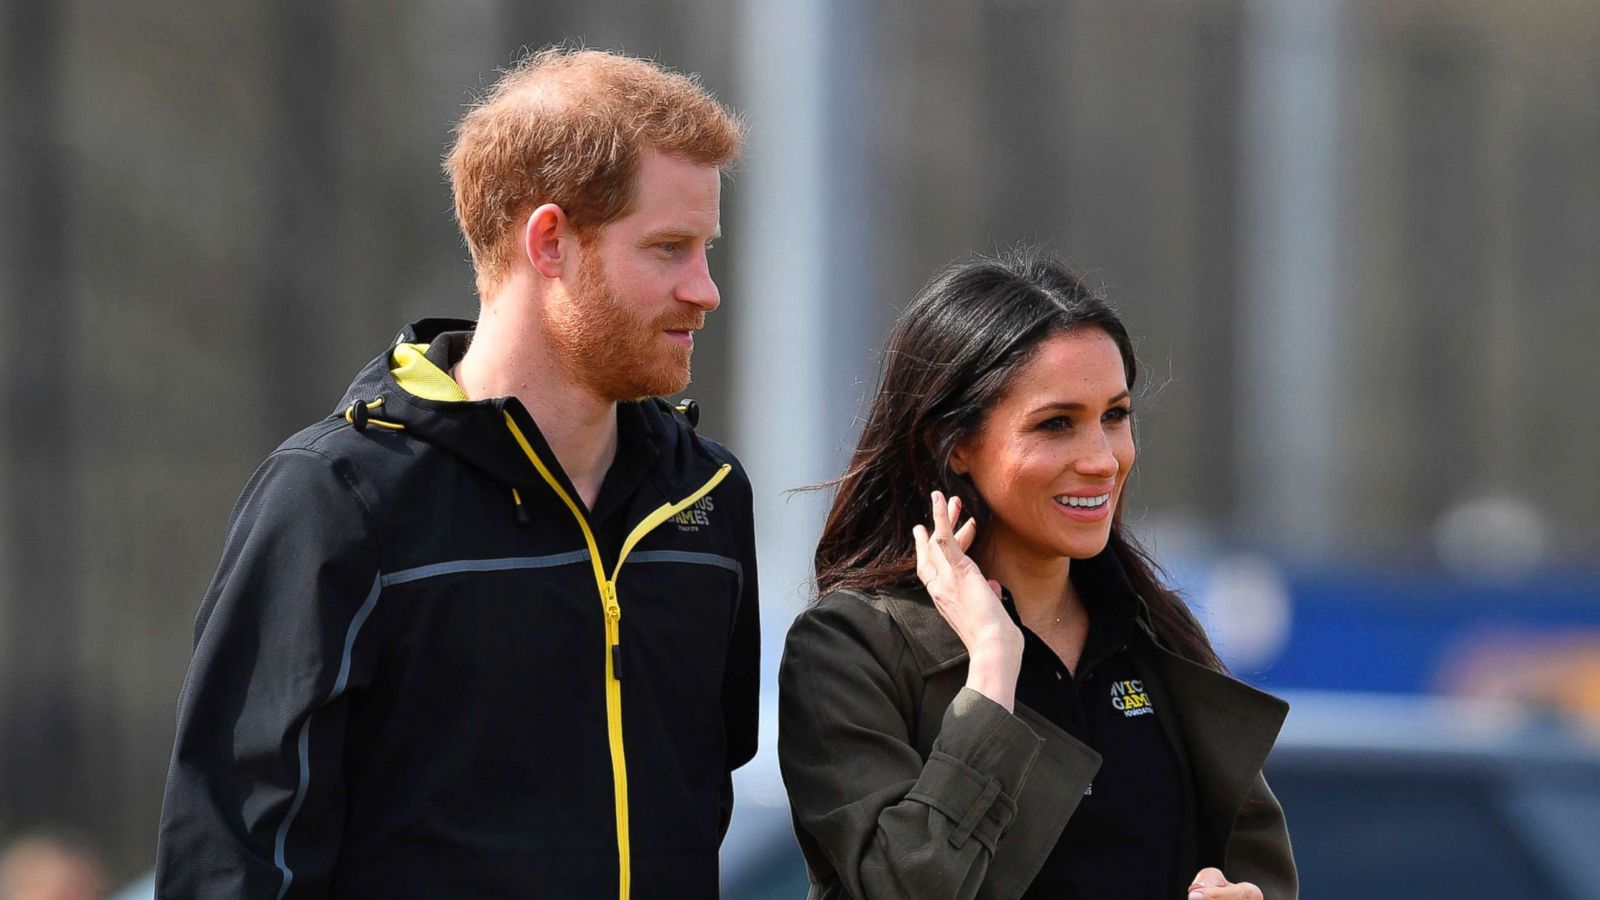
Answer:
(408, 389)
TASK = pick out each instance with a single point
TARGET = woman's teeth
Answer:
(1083, 502)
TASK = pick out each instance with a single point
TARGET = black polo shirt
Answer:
(1124, 838)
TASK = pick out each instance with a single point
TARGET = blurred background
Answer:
(1356, 241)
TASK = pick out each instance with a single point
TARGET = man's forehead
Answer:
(656, 166)
(674, 193)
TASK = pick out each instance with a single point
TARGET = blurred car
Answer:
(1410, 797)
(1419, 797)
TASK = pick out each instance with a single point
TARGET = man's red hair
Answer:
(568, 127)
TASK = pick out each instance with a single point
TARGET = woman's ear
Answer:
(958, 459)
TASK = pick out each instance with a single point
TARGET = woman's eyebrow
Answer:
(1075, 406)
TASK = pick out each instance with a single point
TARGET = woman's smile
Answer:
(1085, 507)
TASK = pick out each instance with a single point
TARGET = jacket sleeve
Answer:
(887, 822)
(254, 804)
(1258, 850)
(741, 674)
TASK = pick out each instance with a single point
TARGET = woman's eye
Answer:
(1056, 423)
(1119, 414)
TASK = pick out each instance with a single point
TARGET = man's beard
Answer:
(609, 349)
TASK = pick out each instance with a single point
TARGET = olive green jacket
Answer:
(906, 784)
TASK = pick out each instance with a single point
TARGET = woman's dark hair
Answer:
(952, 356)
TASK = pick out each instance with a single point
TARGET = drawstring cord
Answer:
(356, 415)
(359, 417)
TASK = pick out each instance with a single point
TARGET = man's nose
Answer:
(698, 288)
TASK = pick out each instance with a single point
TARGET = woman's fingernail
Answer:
(1196, 895)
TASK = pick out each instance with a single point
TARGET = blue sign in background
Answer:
(1376, 630)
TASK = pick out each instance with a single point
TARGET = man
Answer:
(490, 630)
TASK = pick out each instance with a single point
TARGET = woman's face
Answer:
(1051, 457)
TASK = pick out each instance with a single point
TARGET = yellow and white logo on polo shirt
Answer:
(1130, 697)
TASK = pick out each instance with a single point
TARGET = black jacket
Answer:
(423, 669)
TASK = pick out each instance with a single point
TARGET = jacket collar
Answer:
(411, 377)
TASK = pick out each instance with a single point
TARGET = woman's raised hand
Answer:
(969, 602)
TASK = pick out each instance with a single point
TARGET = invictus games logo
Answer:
(1129, 696)
(692, 518)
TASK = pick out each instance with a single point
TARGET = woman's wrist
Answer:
(992, 667)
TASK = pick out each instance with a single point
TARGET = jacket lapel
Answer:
(1228, 729)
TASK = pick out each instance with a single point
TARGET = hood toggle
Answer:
(357, 415)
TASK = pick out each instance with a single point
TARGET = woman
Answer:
(1011, 704)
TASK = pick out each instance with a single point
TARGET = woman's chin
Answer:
(1086, 547)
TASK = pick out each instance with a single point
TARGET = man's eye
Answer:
(668, 246)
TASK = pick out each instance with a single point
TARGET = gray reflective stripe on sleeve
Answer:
(690, 556)
(303, 744)
(484, 565)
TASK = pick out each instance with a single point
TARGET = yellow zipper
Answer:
(613, 614)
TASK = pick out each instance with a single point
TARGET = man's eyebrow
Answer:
(1074, 406)
(675, 233)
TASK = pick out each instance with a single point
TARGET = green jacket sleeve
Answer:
(1259, 850)
(872, 813)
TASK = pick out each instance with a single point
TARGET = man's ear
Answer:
(543, 237)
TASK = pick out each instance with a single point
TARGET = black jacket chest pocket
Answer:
(678, 610)
(481, 627)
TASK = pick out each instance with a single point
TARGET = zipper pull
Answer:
(614, 617)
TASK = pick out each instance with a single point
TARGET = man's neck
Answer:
(581, 428)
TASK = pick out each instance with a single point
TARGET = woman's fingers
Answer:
(1203, 880)
(919, 536)
(1244, 890)
(1211, 884)
(930, 554)
(941, 518)
(966, 533)
(939, 551)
